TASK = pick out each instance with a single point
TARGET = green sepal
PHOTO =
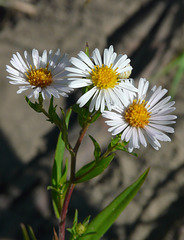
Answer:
(93, 169)
(103, 221)
(35, 106)
(97, 150)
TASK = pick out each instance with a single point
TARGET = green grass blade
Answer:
(31, 232)
(24, 232)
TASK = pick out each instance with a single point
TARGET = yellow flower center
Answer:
(104, 77)
(137, 115)
(41, 77)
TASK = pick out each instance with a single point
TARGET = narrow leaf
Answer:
(58, 173)
(97, 150)
(53, 117)
(83, 114)
(93, 169)
(58, 161)
(103, 221)
(31, 233)
(24, 232)
(36, 106)
(55, 237)
(95, 116)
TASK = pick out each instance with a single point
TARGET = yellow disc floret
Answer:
(137, 115)
(104, 77)
(41, 77)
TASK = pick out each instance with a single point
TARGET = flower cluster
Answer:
(133, 112)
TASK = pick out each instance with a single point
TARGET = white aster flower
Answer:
(144, 117)
(108, 79)
(42, 74)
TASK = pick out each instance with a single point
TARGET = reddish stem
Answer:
(79, 140)
(71, 187)
(64, 212)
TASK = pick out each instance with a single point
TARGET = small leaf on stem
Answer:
(93, 169)
(97, 150)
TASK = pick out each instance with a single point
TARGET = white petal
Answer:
(36, 61)
(157, 95)
(79, 84)
(167, 117)
(125, 132)
(163, 128)
(97, 57)
(80, 64)
(85, 97)
(93, 101)
(142, 138)
(98, 101)
(86, 59)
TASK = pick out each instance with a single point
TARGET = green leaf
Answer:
(53, 117)
(63, 178)
(97, 150)
(95, 116)
(113, 142)
(65, 130)
(24, 232)
(31, 233)
(58, 161)
(59, 174)
(83, 114)
(93, 169)
(36, 106)
(103, 221)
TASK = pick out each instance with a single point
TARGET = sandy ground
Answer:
(152, 34)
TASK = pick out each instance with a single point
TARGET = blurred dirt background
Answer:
(151, 32)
